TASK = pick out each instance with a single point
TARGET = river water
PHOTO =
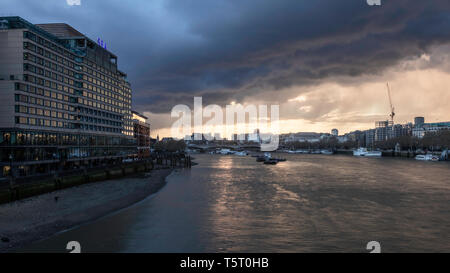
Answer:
(310, 203)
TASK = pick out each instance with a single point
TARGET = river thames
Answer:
(310, 203)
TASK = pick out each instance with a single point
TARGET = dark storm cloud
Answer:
(231, 49)
(249, 46)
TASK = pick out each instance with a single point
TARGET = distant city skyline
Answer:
(381, 131)
(369, 125)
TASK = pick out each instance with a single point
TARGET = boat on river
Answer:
(427, 157)
(271, 161)
(363, 152)
(299, 152)
(263, 158)
(225, 152)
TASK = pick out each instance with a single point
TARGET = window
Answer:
(22, 98)
(21, 87)
(23, 109)
(23, 120)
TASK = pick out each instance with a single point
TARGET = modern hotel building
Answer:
(64, 103)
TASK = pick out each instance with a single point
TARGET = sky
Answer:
(324, 62)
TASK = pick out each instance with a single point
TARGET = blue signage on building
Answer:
(101, 43)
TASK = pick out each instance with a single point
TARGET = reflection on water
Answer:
(311, 203)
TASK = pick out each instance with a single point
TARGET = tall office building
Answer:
(141, 132)
(335, 132)
(64, 101)
(419, 121)
(383, 130)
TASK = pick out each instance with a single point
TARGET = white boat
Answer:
(299, 152)
(225, 151)
(326, 152)
(427, 157)
(363, 152)
(243, 153)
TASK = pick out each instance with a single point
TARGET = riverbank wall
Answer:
(29, 189)
(17, 189)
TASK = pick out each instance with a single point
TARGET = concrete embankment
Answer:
(29, 189)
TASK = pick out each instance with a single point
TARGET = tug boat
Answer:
(271, 161)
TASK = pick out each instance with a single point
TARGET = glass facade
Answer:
(27, 146)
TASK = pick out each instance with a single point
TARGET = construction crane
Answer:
(392, 115)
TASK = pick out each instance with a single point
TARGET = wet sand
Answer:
(39, 217)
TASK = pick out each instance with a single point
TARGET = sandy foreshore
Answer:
(38, 217)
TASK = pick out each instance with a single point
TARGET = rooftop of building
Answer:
(139, 114)
(61, 30)
(438, 124)
(56, 32)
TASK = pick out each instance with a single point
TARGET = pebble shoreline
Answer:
(38, 217)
